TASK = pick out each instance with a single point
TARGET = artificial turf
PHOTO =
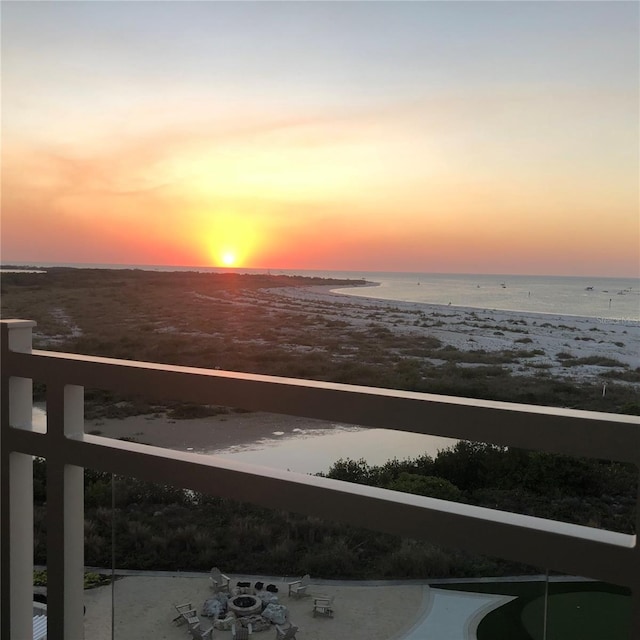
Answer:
(575, 611)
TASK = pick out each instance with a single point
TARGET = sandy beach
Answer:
(144, 609)
(472, 329)
(200, 435)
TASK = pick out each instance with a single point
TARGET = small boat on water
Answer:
(588, 288)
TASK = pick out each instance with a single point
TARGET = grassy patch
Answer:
(187, 411)
(91, 580)
(600, 361)
(632, 375)
(576, 611)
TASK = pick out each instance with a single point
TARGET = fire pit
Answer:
(245, 605)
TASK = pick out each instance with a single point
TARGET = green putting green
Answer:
(595, 615)
(576, 611)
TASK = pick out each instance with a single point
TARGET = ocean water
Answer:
(612, 298)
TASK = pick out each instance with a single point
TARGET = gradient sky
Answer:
(471, 137)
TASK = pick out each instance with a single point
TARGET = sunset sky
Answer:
(469, 137)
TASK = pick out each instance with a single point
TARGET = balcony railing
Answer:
(573, 549)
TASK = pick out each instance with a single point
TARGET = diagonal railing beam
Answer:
(554, 430)
(570, 548)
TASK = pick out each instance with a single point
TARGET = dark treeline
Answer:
(161, 527)
(578, 490)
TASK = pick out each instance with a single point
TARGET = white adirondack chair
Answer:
(323, 606)
(186, 613)
(298, 588)
(286, 633)
(238, 632)
(219, 582)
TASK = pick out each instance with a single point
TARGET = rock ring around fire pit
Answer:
(245, 605)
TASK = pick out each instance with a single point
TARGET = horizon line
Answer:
(247, 270)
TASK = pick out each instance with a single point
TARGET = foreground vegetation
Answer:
(91, 580)
(159, 527)
(234, 322)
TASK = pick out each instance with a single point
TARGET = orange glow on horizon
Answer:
(231, 239)
(414, 167)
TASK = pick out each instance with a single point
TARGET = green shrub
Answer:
(600, 361)
(91, 580)
(40, 578)
(188, 411)
(431, 486)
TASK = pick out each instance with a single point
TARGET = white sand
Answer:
(215, 433)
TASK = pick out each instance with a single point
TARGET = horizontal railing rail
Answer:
(575, 549)
(579, 433)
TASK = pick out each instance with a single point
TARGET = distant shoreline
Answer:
(542, 315)
(356, 273)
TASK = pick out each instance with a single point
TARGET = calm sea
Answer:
(615, 298)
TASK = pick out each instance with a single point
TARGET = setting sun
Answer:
(232, 239)
(228, 259)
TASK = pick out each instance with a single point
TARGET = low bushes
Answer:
(91, 580)
(160, 527)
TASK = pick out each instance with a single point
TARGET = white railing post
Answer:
(635, 589)
(16, 520)
(65, 516)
